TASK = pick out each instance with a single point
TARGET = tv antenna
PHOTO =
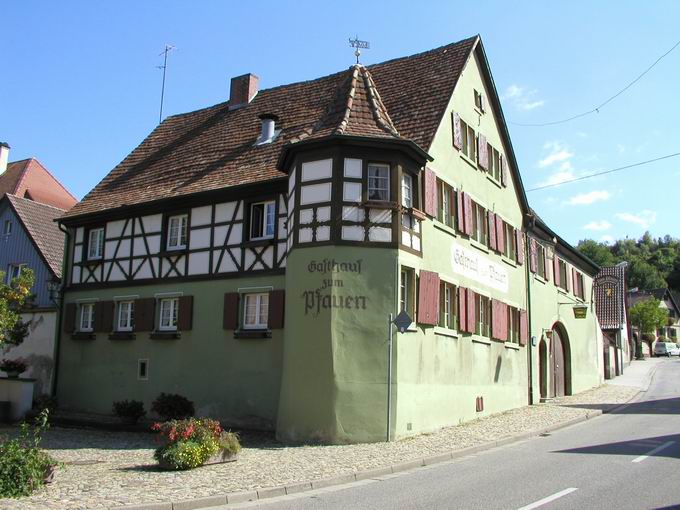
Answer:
(356, 43)
(168, 49)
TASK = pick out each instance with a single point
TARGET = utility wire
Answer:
(597, 108)
(605, 172)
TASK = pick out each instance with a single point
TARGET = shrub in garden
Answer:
(187, 444)
(23, 465)
(13, 365)
(172, 407)
(132, 410)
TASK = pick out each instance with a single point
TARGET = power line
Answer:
(597, 108)
(605, 172)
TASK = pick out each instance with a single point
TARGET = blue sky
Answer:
(80, 87)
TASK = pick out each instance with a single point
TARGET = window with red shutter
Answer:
(277, 302)
(230, 314)
(523, 327)
(462, 309)
(428, 298)
(520, 246)
(492, 230)
(472, 311)
(70, 317)
(430, 193)
(468, 214)
(533, 256)
(185, 313)
(457, 131)
(482, 152)
(556, 267)
(504, 171)
(546, 265)
(500, 235)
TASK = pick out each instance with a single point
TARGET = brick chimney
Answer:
(4, 156)
(243, 90)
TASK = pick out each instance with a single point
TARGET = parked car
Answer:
(666, 349)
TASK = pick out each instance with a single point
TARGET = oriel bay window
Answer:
(95, 243)
(378, 182)
(177, 232)
(262, 220)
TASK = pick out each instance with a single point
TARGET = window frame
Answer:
(387, 179)
(267, 206)
(407, 285)
(130, 315)
(445, 193)
(479, 101)
(564, 273)
(540, 261)
(405, 176)
(7, 227)
(258, 324)
(100, 243)
(169, 237)
(81, 308)
(510, 241)
(173, 315)
(482, 316)
(480, 224)
(468, 141)
(513, 325)
(448, 305)
(11, 270)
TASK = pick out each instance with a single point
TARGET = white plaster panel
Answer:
(323, 233)
(200, 238)
(416, 243)
(249, 258)
(350, 213)
(236, 236)
(79, 234)
(281, 251)
(351, 191)
(380, 215)
(116, 274)
(220, 234)
(352, 233)
(282, 204)
(313, 193)
(152, 223)
(114, 228)
(306, 216)
(323, 213)
(268, 256)
(405, 238)
(154, 243)
(291, 181)
(282, 228)
(107, 265)
(305, 235)
(379, 234)
(291, 202)
(314, 170)
(201, 215)
(199, 263)
(124, 249)
(75, 275)
(138, 247)
(127, 229)
(156, 264)
(353, 168)
(77, 253)
(226, 265)
(224, 211)
(144, 271)
(109, 248)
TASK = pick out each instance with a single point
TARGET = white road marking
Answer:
(652, 452)
(544, 501)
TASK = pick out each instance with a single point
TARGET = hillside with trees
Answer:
(653, 263)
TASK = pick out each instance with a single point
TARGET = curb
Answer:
(295, 488)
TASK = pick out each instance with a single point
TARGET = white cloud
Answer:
(598, 225)
(558, 153)
(558, 178)
(588, 198)
(522, 98)
(643, 219)
(607, 239)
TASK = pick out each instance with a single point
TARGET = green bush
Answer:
(172, 407)
(23, 465)
(133, 409)
(183, 455)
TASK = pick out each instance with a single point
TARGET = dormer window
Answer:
(95, 243)
(379, 182)
(177, 232)
(262, 220)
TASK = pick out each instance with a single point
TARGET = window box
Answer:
(83, 335)
(252, 333)
(376, 204)
(416, 213)
(165, 335)
(122, 335)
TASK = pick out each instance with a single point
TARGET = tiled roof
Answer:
(29, 178)
(214, 148)
(39, 221)
(610, 297)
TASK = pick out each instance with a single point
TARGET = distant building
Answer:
(671, 331)
(610, 302)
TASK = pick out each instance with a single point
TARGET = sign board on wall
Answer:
(580, 312)
(475, 265)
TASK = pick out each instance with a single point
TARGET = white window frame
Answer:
(480, 223)
(13, 271)
(406, 190)
(407, 284)
(379, 183)
(178, 239)
(125, 318)
(7, 228)
(260, 318)
(469, 139)
(86, 326)
(95, 248)
(448, 306)
(173, 304)
(482, 316)
(267, 224)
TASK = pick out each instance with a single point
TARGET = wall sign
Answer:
(474, 265)
(321, 298)
(580, 312)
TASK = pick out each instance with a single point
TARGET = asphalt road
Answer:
(626, 459)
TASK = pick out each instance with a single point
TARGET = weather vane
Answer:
(356, 43)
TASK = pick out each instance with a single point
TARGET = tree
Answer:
(13, 297)
(597, 252)
(648, 317)
(644, 275)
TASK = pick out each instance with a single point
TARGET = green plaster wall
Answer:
(333, 386)
(233, 379)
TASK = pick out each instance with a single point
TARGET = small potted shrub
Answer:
(172, 407)
(13, 367)
(129, 411)
(190, 443)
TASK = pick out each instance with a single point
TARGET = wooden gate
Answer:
(558, 372)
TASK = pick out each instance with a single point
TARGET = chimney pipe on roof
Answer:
(243, 90)
(268, 132)
(4, 156)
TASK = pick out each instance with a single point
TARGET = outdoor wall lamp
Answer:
(548, 333)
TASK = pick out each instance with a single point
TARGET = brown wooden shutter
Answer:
(523, 327)
(567, 272)
(495, 319)
(482, 154)
(230, 315)
(462, 303)
(185, 314)
(457, 132)
(493, 244)
(277, 302)
(460, 206)
(468, 214)
(546, 264)
(103, 316)
(70, 311)
(428, 298)
(520, 246)
(533, 255)
(500, 237)
(145, 314)
(504, 171)
(431, 204)
(471, 315)
(573, 279)
(505, 309)
(556, 266)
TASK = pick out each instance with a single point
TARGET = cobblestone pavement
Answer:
(107, 469)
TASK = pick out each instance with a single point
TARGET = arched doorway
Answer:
(560, 363)
(543, 369)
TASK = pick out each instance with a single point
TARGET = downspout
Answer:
(530, 347)
(60, 309)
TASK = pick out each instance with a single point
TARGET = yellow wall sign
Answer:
(580, 312)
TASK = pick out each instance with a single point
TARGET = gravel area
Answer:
(108, 469)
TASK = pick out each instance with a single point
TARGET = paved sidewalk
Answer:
(638, 374)
(112, 469)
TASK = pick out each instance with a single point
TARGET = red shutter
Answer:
(504, 171)
(546, 264)
(520, 246)
(492, 230)
(428, 298)
(500, 237)
(230, 314)
(533, 256)
(482, 154)
(567, 283)
(185, 313)
(573, 278)
(468, 214)
(556, 266)
(457, 132)
(523, 327)
(145, 310)
(462, 303)
(471, 315)
(505, 309)
(277, 301)
(495, 319)
(430, 193)
(70, 311)
(460, 206)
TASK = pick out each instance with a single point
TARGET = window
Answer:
(479, 101)
(482, 315)
(177, 232)
(378, 182)
(563, 274)
(168, 314)
(256, 311)
(143, 369)
(579, 291)
(13, 271)
(469, 147)
(446, 208)
(510, 241)
(95, 243)
(494, 163)
(126, 316)
(479, 223)
(448, 317)
(407, 287)
(513, 325)
(86, 317)
(7, 229)
(262, 220)
(406, 190)
(540, 258)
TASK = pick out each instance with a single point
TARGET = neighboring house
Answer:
(248, 256)
(31, 238)
(671, 331)
(610, 301)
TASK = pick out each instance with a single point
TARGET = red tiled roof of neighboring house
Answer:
(610, 297)
(215, 147)
(29, 178)
(38, 219)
